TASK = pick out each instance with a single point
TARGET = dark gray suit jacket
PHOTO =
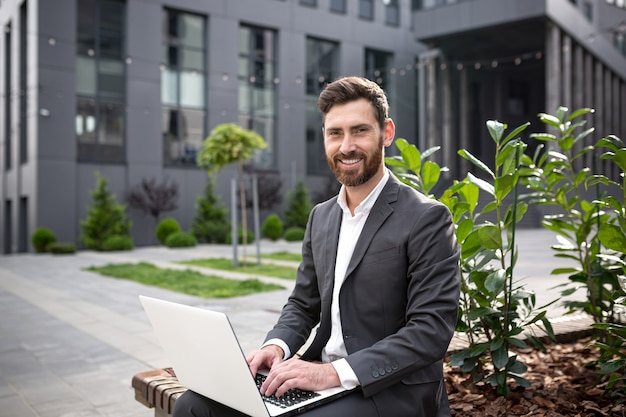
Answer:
(398, 302)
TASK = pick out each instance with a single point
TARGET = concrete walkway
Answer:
(71, 340)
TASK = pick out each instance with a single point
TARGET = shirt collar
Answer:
(366, 205)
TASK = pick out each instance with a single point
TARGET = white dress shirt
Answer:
(351, 227)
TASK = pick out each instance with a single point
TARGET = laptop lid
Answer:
(207, 358)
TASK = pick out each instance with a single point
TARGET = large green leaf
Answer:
(430, 175)
(467, 155)
(490, 237)
(496, 130)
(612, 237)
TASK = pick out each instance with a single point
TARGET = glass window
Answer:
(100, 80)
(338, 6)
(392, 13)
(322, 67)
(257, 88)
(366, 9)
(310, 3)
(377, 65)
(183, 86)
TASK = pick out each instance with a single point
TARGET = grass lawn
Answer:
(187, 281)
(226, 264)
(283, 256)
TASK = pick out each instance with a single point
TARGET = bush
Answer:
(272, 227)
(165, 228)
(294, 234)
(42, 238)
(62, 248)
(180, 240)
(209, 224)
(105, 218)
(250, 236)
(298, 206)
(117, 242)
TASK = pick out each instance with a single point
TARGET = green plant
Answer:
(152, 198)
(209, 224)
(294, 234)
(558, 183)
(180, 240)
(105, 218)
(229, 143)
(165, 228)
(117, 242)
(272, 227)
(298, 206)
(62, 248)
(612, 362)
(42, 238)
(493, 311)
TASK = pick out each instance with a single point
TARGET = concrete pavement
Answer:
(71, 340)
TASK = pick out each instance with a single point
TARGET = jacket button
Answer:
(381, 371)
(375, 374)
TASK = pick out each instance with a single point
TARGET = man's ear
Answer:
(390, 132)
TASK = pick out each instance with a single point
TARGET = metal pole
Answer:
(233, 218)
(255, 210)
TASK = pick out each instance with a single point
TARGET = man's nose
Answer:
(348, 144)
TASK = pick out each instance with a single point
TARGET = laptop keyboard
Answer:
(291, 397)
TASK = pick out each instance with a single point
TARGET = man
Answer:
(380, 274)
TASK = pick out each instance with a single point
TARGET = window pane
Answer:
(85, 75)
(192, 134)
(191, 89)
(191, 30)
(111, 124)
(192, 59)
(171, 142)
(169, 87)
(111, 78)
(86, 120)
(111, 16)
(338, 6)
(366, 9)
(111, 47)
(244, 40)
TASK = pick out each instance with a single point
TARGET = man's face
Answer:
(354, 142)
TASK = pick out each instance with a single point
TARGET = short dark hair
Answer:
(346, 89)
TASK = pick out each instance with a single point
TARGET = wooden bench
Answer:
(158, 389)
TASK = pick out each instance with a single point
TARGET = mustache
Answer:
(351, 155)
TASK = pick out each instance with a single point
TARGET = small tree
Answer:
(105, 218)
(153, 198)
(209, 223)
(299, 206)
(227, 144)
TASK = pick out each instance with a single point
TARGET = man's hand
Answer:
(296, 373)
(265, 358)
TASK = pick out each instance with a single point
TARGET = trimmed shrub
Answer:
(105, 218)
(42, 238)
(210, 224)
(229, 238)
(272, 227)
(62, 248)
(298, 206)
(294, 234)
(180, 240)
(165, 228)
(117, 242)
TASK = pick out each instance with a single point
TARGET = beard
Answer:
(356, 177)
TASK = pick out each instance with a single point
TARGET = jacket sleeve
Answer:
(302, 311)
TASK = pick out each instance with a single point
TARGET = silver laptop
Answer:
(207, 358)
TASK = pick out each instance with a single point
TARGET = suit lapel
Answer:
(379, 213)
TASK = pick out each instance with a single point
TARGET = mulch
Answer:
(561, 385)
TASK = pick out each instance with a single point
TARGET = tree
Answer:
(299, 206)
(227, 144)
(105, 218)
(153, 198)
